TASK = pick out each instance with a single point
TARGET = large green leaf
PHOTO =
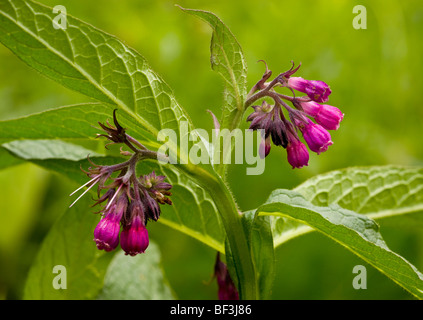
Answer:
(354, 231)
(71, 122)
(70, 244)
(89, 61)
(379, 192)
(375, 191)
(47, 149)
(228, 60)
(136, 278)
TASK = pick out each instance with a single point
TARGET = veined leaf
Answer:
(375, 191)
(228, 60)
(47, 149)
(379, 192)
(69, 244)
(88, 60)
(92, 62)
(354, 231)
(136, 278)
(71, 122)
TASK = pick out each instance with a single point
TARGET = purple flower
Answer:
(318, 138)
(264, 148)
(316, 90)
(134, 237)
(106, 234)
(329, 117)
(297, 154)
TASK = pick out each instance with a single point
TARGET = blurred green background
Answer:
(375, 76)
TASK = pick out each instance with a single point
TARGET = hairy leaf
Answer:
(47, 149)
(71, 122)
(69, 244)
(136, 278)
(228, 60)
(90, 61)
(379, 192)
(375, 191)
(354, 231)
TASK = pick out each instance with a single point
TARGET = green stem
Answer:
(235, 232)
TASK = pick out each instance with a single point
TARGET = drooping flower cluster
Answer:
(130, 201)
(130, 204)
(283, 131)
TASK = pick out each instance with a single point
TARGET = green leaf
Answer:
(70, 244)
(354, 231)
(89, 61)
(227, 59)
(375, 191)
(47, 149)
(379, 192)
(71, 122)
(259, 231)
(136, 278)
(7, 159)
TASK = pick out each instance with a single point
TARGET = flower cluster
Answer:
(283, 131)
(129, 201)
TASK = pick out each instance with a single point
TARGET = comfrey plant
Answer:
(133, 187)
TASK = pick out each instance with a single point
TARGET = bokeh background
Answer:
(376, 80)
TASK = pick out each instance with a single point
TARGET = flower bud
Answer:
(297, 154)
(318, 138)
(152, 209)
(278, 133)
(264, 148)
(329, 117)
(134, 237)
(316, 90)
(106, 233)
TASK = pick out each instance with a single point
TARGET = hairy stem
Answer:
(235, 232)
